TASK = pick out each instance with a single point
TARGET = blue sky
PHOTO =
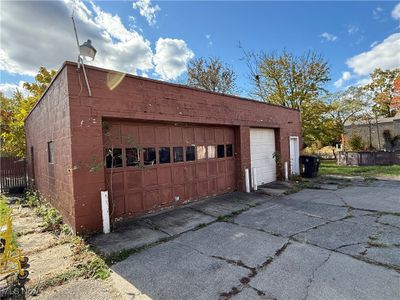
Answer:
(158, 38)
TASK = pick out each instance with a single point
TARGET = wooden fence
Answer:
(13, 176)
(368, 158)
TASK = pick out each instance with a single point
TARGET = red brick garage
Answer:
(151, 144)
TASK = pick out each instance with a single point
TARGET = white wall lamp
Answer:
(86, 52)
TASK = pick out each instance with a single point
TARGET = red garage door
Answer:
(151, 165)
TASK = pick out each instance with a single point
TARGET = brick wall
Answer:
(49, 121)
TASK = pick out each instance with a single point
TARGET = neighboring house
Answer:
(382, 135)
(151, 144)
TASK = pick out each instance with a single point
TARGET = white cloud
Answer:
(8, 89)
(147, 10)
(46, 38)
(171, 58)
(396, 12)
(210, 42)
(377, 13)
(374, 44)
(328, 37)
(352, 29)
(384, 55)
(345, 77)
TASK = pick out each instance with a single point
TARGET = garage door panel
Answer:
(221, 167)
(210, 136)
(262, 147)
(212, 168)
(190, 172)
(151, 199)
(190, 190)
(202, 188)
(176, 135)
(134, 202)
(147, 135)
(229, 135)
(179, 191)
(188, 135)
(133, 179)
(150, 177)
(112, 136)
(118, 206)
(130, 135)
(230, 167)
(199, 135)
(201, 170)
(164, 176)
(118, 183)
(222, 183)
(162, 136)
(178, 174)
(212, 186)
(165, 194)
(143, 189)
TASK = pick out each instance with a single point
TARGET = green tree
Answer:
(211, 74)
(296, 82)
(345, 106)
(14, 110)
(287, 79)
(382, 89)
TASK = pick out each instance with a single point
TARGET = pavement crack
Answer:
(311, 280)
(351, 244)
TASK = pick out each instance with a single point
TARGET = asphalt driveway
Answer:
(335, 243)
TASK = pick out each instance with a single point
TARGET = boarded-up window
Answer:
(201, 152)
(211, 151)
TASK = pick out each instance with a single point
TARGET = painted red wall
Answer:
(137, 98)
(49, 121)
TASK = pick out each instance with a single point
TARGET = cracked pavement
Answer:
(315, 244)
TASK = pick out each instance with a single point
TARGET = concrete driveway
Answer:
(315, 244)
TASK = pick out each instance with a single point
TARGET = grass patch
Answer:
(124, 254)
(330, 168)
(299, 185)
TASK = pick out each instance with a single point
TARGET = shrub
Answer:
(356, 143)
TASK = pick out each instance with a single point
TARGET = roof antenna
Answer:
(86, 51)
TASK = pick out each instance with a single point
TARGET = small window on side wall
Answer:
(50, 152)
(220, 151)
(132, 157)
(164, 154)
(149, 156)
(178, 154)
(113, 158)
(229, 150)
(190, 155)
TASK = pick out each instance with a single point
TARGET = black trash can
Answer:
(309, 166)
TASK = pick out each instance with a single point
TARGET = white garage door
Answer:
(262, 148)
